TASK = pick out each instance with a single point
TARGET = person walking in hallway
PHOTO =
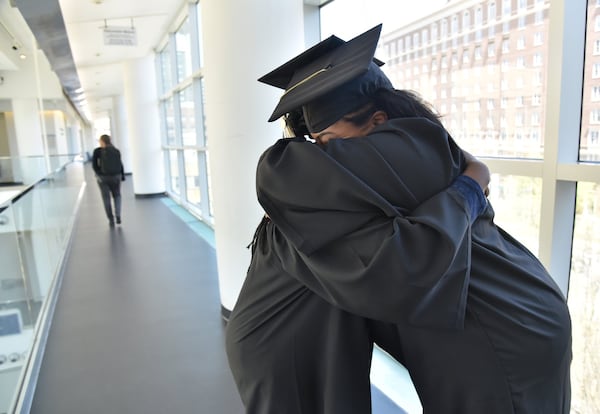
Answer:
(107, 164)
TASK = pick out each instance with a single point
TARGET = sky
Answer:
(349, 18)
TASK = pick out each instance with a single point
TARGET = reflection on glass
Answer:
(589, 144)
(516, 201)
(192, 178)
(174, 171)
(482, 66)
(183, 46)
(188, 119)
(17, 309)
(169, 117)
(584, 297)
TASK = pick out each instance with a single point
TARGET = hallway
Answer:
(137, 326)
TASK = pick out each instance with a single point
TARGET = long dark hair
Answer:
(396, 103)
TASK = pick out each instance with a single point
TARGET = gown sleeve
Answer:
(357, 232)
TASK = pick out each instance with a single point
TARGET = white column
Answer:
(141, 101)
(120, 132)
(29, 141)
(28, 127)
(242, 41)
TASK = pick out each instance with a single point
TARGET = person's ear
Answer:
(379, 117)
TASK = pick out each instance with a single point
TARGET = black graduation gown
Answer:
(371, 226)
(290, 350)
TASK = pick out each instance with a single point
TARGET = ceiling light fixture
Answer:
(22, 56)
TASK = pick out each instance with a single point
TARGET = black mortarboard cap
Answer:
(329, 80)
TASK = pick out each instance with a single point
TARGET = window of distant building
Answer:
(596, 93)
(522, 5)
(506, 8)
(491, 12)
(465, 57)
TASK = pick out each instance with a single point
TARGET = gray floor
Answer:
(137, 325)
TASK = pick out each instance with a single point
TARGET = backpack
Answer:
(110, 161)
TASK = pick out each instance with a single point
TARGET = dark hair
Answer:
(400, 103)
(105, 139)
(396, 103)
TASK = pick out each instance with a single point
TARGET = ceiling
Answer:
(100, 66)
(71, 34)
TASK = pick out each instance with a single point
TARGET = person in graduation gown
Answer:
(385, 238)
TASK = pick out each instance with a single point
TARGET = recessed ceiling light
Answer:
(23, 56)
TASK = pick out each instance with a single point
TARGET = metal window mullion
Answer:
(566, 51)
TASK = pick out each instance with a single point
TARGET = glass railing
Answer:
(35, 229)
(25, 171)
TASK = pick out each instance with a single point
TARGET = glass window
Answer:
(506, 7)
(584, 297)
(516, 201)
(491, 11)
(174, 172)
(165, 66)
(588, 150)
(192, 176)
(169, 119)
(199, 32)
(183, 119)
(188, 116)
(183, 46)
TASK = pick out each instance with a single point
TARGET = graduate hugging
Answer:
(378, 231)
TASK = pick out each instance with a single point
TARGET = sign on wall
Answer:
(120, 36)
